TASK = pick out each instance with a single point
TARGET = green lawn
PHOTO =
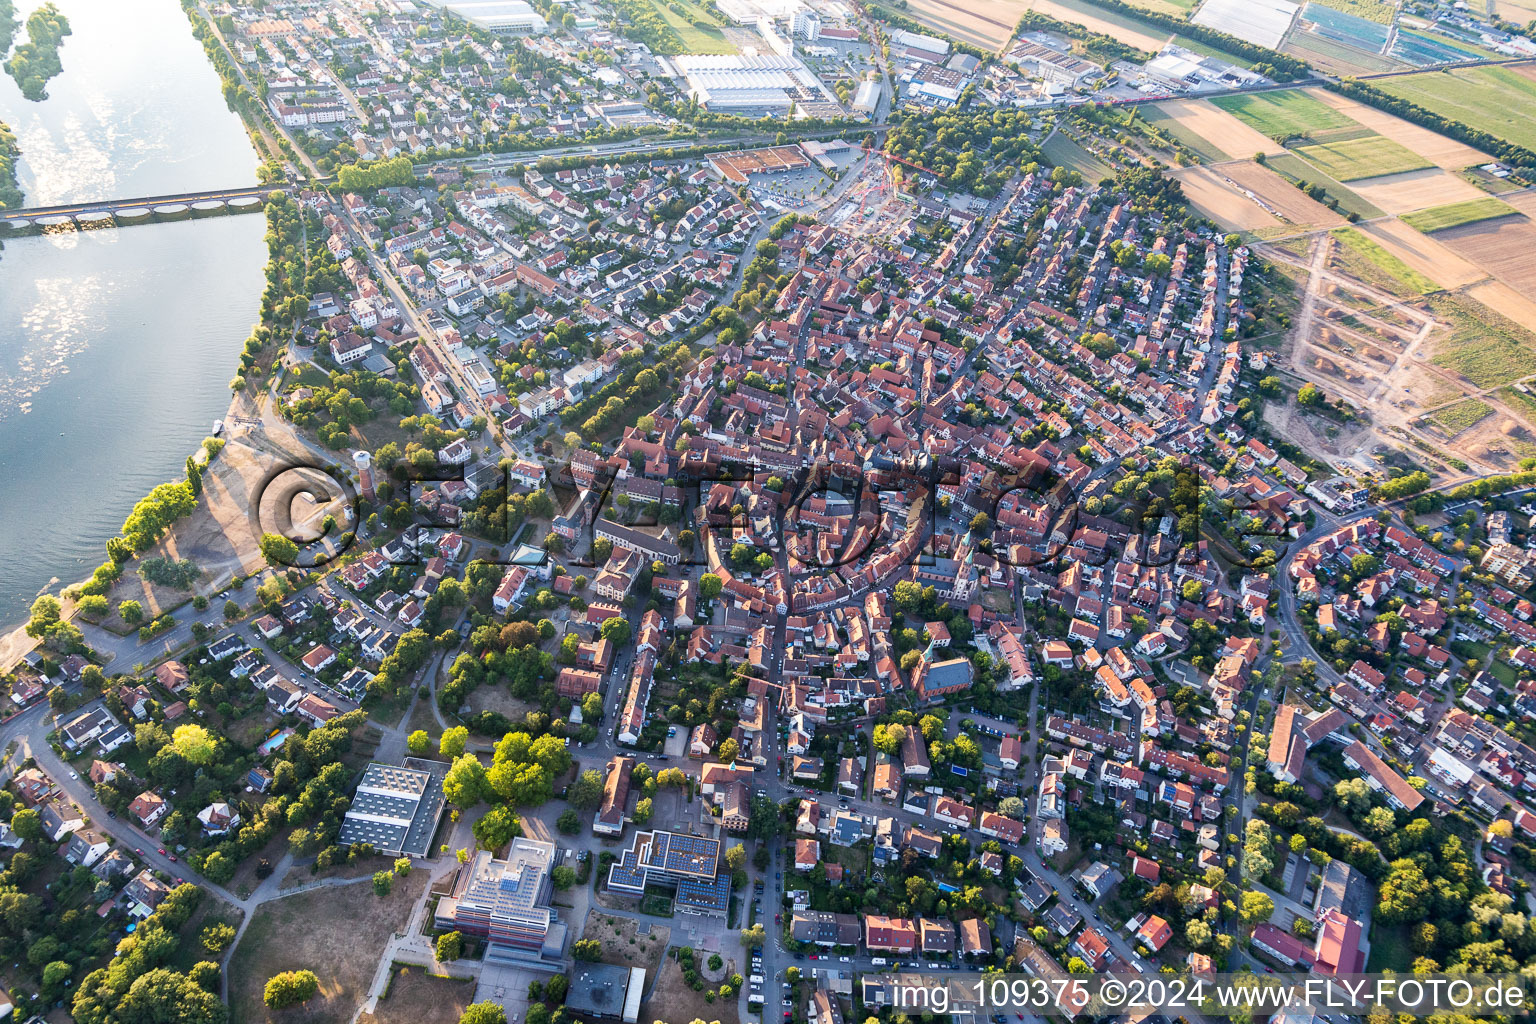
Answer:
(1488, 349)
(1374, 265)
(1369, 157)
(1284, 114)
(1438, 218)
(1064, 152)
(695, 39)
(1494, 99)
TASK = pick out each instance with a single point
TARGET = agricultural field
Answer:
(1416, 190)
(1503, 299)
(1209, 193)
(1127, 30)
(1499, 100)
(1220, 130)
(1364, 258)
(1424, 254)
(1369, 157)
(1439, 218)
(1180, 131)
(1334, 56)
(1177, 8)
(1502, 246)
(988, 24)
(1219, 193)
(1371, 10)
(1261, 22)
(1432, 146)
(1522, 403)
(1286, 114)
(1296, 169)
(1464, 415)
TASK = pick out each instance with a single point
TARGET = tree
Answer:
(132, 612)
(279, 550)
(383, 882)
(450, 946)
(1310, 395)
(728, 751)
(1256, 907)
(643, 811)
(497, 828)
(617, 630)
(735, 857)
(586, 791)
(563, 876)
(27, 824)
(483, 1013)
(418, 742)
(569, 822)
(290, 988)
(194, 743)
(452, 742)
(588, 950)
(464, 785)
(710, 586)
(754, 937)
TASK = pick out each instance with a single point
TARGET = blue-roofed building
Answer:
(690, 864)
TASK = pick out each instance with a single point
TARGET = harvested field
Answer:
(1454, 215)
(416, 996)
(1525, 202)
(1415, 190)
(1283, 115)
(1203, 149)
(335, 932)
(1207, 191)
(1503, 299)
(1116, 26)
(1503, 247)
(1499, 100)
(1370, 157)
(1286, 199)
(1432, 146)
(1423, 254)
(984, 23)
(1219, 128)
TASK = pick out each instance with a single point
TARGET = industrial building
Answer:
(603, 991)
(1052, 64)
(750, 86)
(867, 100)
(506, 902)
(396, 810)
(504, 17)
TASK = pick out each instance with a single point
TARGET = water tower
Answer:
(364, 463)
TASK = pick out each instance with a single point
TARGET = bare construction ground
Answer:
(1227, 133)
(1423, 254)
(1505, 247)
(1415, 190)
(1432, 146)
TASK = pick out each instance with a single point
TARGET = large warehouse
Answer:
(751, 86)
(504, 17)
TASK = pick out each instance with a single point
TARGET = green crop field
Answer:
(1367, 157)
(1453, 419)
(1062, 151)
(1283, 115)
(1495, 99)
(1362, 257)
(1438, 218)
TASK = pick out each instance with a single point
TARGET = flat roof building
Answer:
(606, 991)
(507, 902)
(397, 809)
(504, 17)
(691, 863)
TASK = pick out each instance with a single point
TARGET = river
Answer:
(116, 346)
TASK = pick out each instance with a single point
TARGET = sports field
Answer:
(1370, 157)
(1438, 218)
(1498, 100)
(1283, 115)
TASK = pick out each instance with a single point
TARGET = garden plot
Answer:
(1262, 22)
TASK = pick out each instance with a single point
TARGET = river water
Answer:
(116, 346)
